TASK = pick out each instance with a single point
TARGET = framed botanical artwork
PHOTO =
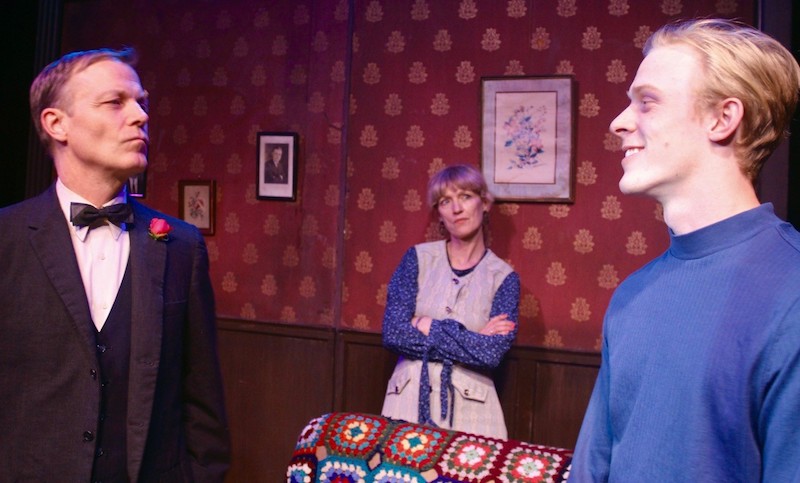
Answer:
(276, 158)
(197, 203)
(528, 141)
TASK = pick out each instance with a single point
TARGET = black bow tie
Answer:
(82, 214)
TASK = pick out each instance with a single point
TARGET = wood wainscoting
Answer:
(277, 377)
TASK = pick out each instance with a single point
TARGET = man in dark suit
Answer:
(275, 166)
(108, 363)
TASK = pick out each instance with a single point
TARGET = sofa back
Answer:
(358, 447)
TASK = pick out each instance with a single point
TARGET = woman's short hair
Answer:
(47, 88)
(744, 63)
(460, 176)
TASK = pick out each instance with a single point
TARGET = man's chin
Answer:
(139, 165)
(624, 186)
(134, 170)
(629, 188)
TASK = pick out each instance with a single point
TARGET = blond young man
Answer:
(700, 377)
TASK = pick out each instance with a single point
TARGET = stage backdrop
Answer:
(383, 93)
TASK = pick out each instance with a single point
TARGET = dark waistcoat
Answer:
(113, 356)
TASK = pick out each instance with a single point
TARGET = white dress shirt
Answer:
(102, 254)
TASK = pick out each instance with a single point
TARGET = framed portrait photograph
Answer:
(276, 158)
(528, 139)
(197, 200)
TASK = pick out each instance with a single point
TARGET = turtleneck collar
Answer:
(723, 234)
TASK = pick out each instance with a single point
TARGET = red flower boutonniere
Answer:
(159, 229)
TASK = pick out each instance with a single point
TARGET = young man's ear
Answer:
(725, 119)
(52, 120)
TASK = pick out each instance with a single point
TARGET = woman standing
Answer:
(451, 315)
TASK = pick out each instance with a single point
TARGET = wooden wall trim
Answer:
(285, 330)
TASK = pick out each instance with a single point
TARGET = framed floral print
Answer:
(528, 139)
(197, 202)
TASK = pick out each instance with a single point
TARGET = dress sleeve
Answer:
(450, 340)
(401, 302)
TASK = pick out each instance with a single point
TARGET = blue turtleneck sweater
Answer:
(700, 379)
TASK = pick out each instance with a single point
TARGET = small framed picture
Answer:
(528, 143)
(197, 199)
(137, 185)
(276, 155)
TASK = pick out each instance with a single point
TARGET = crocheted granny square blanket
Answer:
(357, 447)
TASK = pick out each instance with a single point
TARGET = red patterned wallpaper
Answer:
(415, 107)
(219, 72)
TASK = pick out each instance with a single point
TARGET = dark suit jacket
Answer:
(49, 384)
(275, 174)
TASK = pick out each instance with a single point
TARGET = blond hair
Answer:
(741, 62)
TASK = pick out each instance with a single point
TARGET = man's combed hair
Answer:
(742, 62)
(47, 89)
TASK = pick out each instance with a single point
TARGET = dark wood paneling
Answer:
(278, 377)
(505, 380)
(512, 381)
(366, 366)
(544, 393)
(561, 394)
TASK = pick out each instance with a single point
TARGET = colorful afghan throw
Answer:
(356, 448)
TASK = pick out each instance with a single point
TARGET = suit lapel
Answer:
(148, 267)
(50, 239)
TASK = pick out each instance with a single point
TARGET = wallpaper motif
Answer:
(220, 72)
(415, 107)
